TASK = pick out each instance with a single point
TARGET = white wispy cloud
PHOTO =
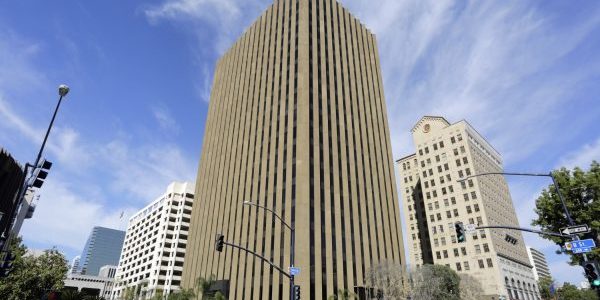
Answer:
(494, 64)
(165, 119)
(92, 181)
(582, 157)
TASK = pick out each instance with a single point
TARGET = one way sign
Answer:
(576, 229)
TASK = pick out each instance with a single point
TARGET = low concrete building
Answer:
(100, 285)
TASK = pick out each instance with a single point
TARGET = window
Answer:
(439, 216)
(443, 241)
(437, 205)
(479, 221)
(455, 151)
(446, 168)
(486, 248)
(465, 161)
(441, 228)
(435, 193)
(458, 267)
(428, 161)
(441, 144)
(473, 195)
(489, 263)
(459, 137)
(439, 169)
(469, 209)
(431, 218)
(463, 250)
(453, 239)
(466, 197)
(435, 147)
(439, 255)
(453, 200)
(476, 207)
(466, 263)
(452, 140)
(470, 183)
(426, 150)
(445, 254)
(448, 214)
(477, 249)
(460, 174)
(436, 243)
(458, 162)
(433, 229)
(441, 178)
(420, 151)
(429, 206)
(455, 212)
(443, 191)
(462, 149)
(446, 202)
(455, 252)
(482, 233)
(481, 266)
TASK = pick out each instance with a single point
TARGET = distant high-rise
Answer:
(434, 201)
(154, 248)
(103, 247)
(538, 260)
(297, 123)
(75, 265)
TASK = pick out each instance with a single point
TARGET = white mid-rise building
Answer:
(538, 260)
(154, 247)
(434, 201)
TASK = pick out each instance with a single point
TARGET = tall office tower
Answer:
(103, 247)
(297, 123)
(538, 261)
(434, 201)
(154, 248)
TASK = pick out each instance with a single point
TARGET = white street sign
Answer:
(470, 228)
(576, 229)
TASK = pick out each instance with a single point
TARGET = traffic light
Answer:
(40, 173)
(6, 267)
(296, 292)
(219, 242)
(460, 232)
(591, 273)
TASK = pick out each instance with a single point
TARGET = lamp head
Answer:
(63, 90)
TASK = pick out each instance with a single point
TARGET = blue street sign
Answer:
(294, 271)
(589, 243)
(582, 250)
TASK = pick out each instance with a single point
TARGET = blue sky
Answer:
(524, 73)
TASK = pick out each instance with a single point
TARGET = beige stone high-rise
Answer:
(297, 123)
(434, 201)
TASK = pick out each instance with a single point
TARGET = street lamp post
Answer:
(292, 241)
(63, 90)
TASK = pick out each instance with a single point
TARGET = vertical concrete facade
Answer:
(297, 123)
(434, 200)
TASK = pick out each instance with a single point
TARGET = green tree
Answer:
(32, 277)
(570, 292)
(435, 282)
(342, 295)
(544, 287)
(183, 294)
(158, 295)
(581, 190)
(203, 286)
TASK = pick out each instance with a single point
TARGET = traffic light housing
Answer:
(296, 292)
(591, 273)
(40, 173)
(219, 242)
(460, 232)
